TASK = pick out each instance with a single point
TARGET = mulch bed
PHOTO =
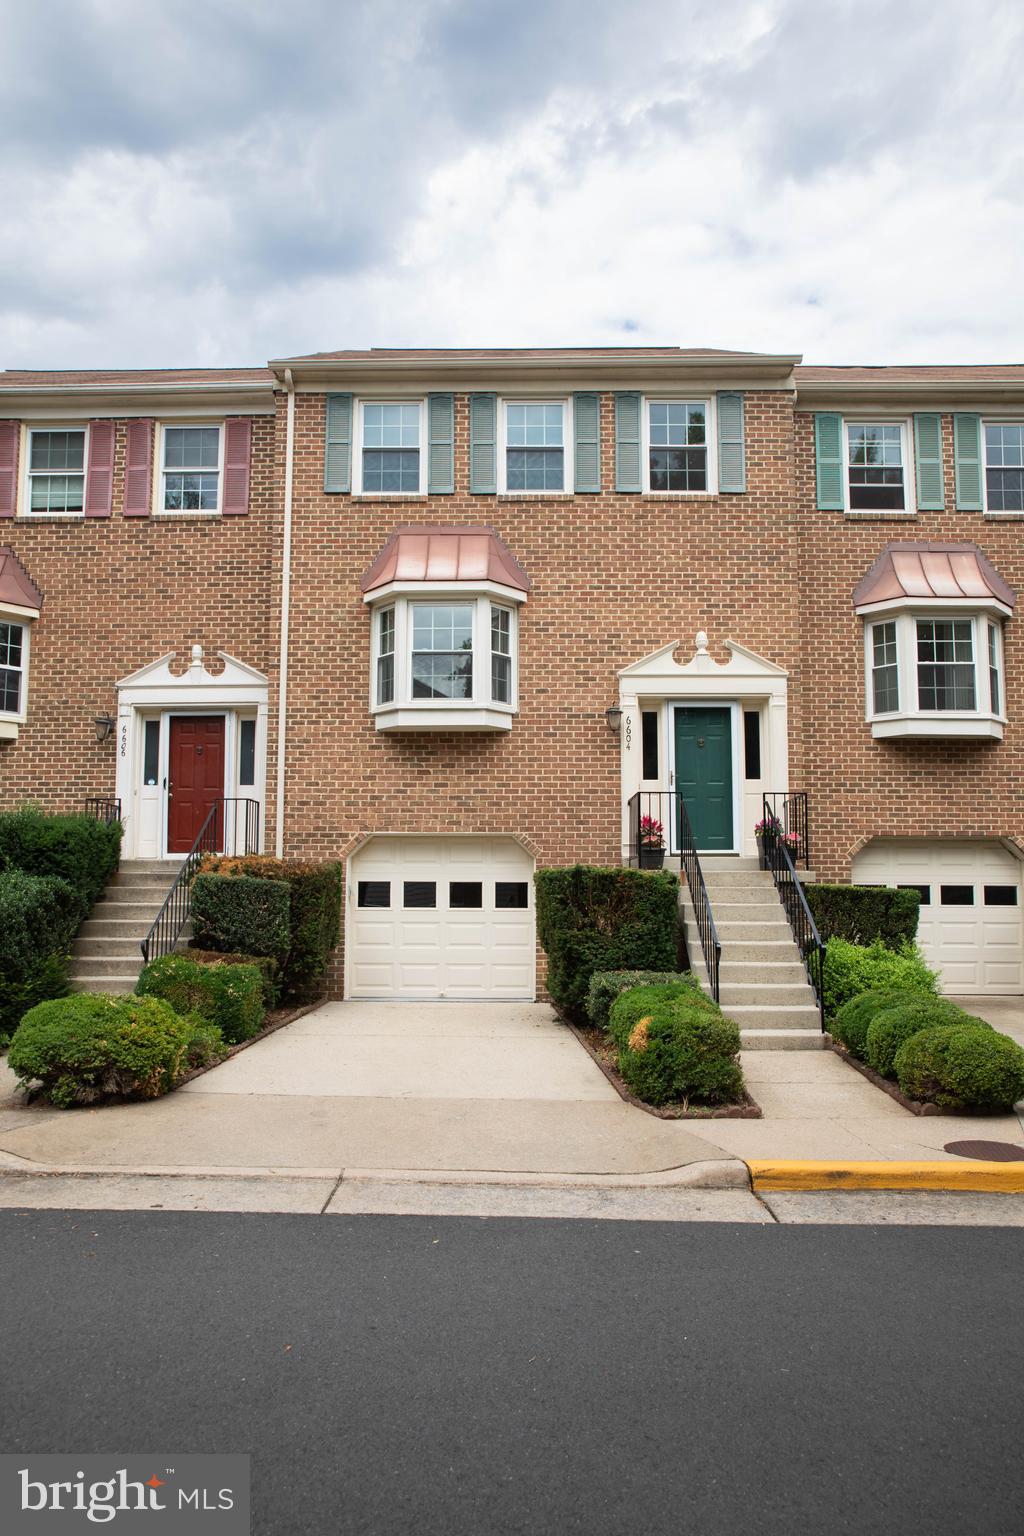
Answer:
(894, 1091)
(596, 1045)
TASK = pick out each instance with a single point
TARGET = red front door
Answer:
(196, 777)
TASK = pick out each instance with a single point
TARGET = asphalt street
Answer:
(457, 1374)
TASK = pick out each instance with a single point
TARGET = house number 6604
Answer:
(124, 740)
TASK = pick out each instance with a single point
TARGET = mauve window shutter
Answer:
(8, 468)
(99, 476)
(237, 455)
(138, 469)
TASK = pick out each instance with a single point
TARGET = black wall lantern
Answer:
(613, 715)
(105, 725)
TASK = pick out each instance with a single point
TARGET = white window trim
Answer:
(25, 477)
(710, 436)
(10, 720)
(909, 465)
(568, 445)
(358, 445)
(910, 719)
(480, 712)
(158, 508)
(995, 421)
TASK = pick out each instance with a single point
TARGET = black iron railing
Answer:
(232, 826)
(789, 808)
(778, 859)
(103, 809)
(658, 820)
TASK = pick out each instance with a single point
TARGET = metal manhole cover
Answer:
(987, 1151)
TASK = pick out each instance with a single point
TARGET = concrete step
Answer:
(121, 928)
(772, 971)
(124, 911)
(730, 932)
(88, 966)
(769, 993)
(753, 950)
(147, 872)
(771, 1016)
(137, 890)
(727, 863)
(781, 1040)
(117, 949)
(765, 911)
(116, 984)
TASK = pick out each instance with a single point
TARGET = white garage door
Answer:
(441, 917)
(970, 928)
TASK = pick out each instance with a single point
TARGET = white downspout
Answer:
(286, 587)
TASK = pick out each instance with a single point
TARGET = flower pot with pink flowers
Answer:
(652, 843)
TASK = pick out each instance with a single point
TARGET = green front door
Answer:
(704, 774)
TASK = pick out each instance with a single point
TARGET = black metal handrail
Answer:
(174, 914)
(778, 859)
(789, 808)
(650, 811)
(103, 808)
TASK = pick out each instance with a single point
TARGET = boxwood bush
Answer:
(38, 918)
(83, 1048)
(314, 915)
(863, 913)
(78, 849)
(854, 968)
(606, 986)
(892, 1027)
(682, 1051)
(268, 968)
(228, 996)
(852, 1021)
(242, 915)
(591, 920)
(961, 1067)
(630, 1007)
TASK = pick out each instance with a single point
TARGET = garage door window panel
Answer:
(465, 895)
(1000, 895)
(374, 893)
(956, 895)
(419, 894)
(511, 895)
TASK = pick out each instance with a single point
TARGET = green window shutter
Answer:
(338, 444)
(931, 494)
(732, 457)
(627, 442)
(483, 444)
(967, 452)
(586, 415)
(828, 459)
(440, 444)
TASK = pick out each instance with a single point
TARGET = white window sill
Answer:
(56, 517)
(471, 717)
(1004, 517)
(393, 495)
(201, 516)
(944, 725)
(888, 517)
(681, 495)
(535, 495)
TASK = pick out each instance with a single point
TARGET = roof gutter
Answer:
(286, 588)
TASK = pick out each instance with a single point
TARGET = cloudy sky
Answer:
(222, 181)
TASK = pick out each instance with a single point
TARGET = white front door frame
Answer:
(745, 681)
(155, 692)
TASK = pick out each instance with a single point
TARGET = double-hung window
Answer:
(442, 650)
(12, 668)
(885, 686)
(191, 469)
(1004, 466)
(945, 664)
(56, 470)
(385, 620)
(391, 455)
(677, 454)
(876, 463)
(535, 439)
(501, 654)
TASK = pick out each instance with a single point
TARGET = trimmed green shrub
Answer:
(229, 996)
(591, 920)
(961, 1067)
(38, 918)
(683, 1052)
(85, 1047)
(863, 913)
(852, 1021)
(241, 915)
(854, 968)
(265, 964)
(630, 1007)
(892, 1027)
(315, 915)
(78, 849)
(606, 986)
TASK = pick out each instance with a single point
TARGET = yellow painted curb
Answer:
(989, 1178)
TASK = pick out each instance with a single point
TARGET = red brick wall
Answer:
(861, 788)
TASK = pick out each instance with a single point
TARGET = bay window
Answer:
(934, 675)
(13, 659)
(444, 662)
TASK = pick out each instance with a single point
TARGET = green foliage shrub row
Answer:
(606, 986)
(242, 915)
(265, 964)
(854, 968)
(38, 918)
(314, 915)
(591, 920)
(676, 1046)
(227, 996)
(78, 849)
(863, 913)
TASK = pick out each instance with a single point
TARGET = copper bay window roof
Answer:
(17, 589)
(435, 553)
(954, 573)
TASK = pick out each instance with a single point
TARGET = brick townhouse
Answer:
(455, 615)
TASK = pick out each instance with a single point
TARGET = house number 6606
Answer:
(124, 740)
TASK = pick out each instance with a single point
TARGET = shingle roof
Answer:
(56, 378)
(486, 354)
(967, 373)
